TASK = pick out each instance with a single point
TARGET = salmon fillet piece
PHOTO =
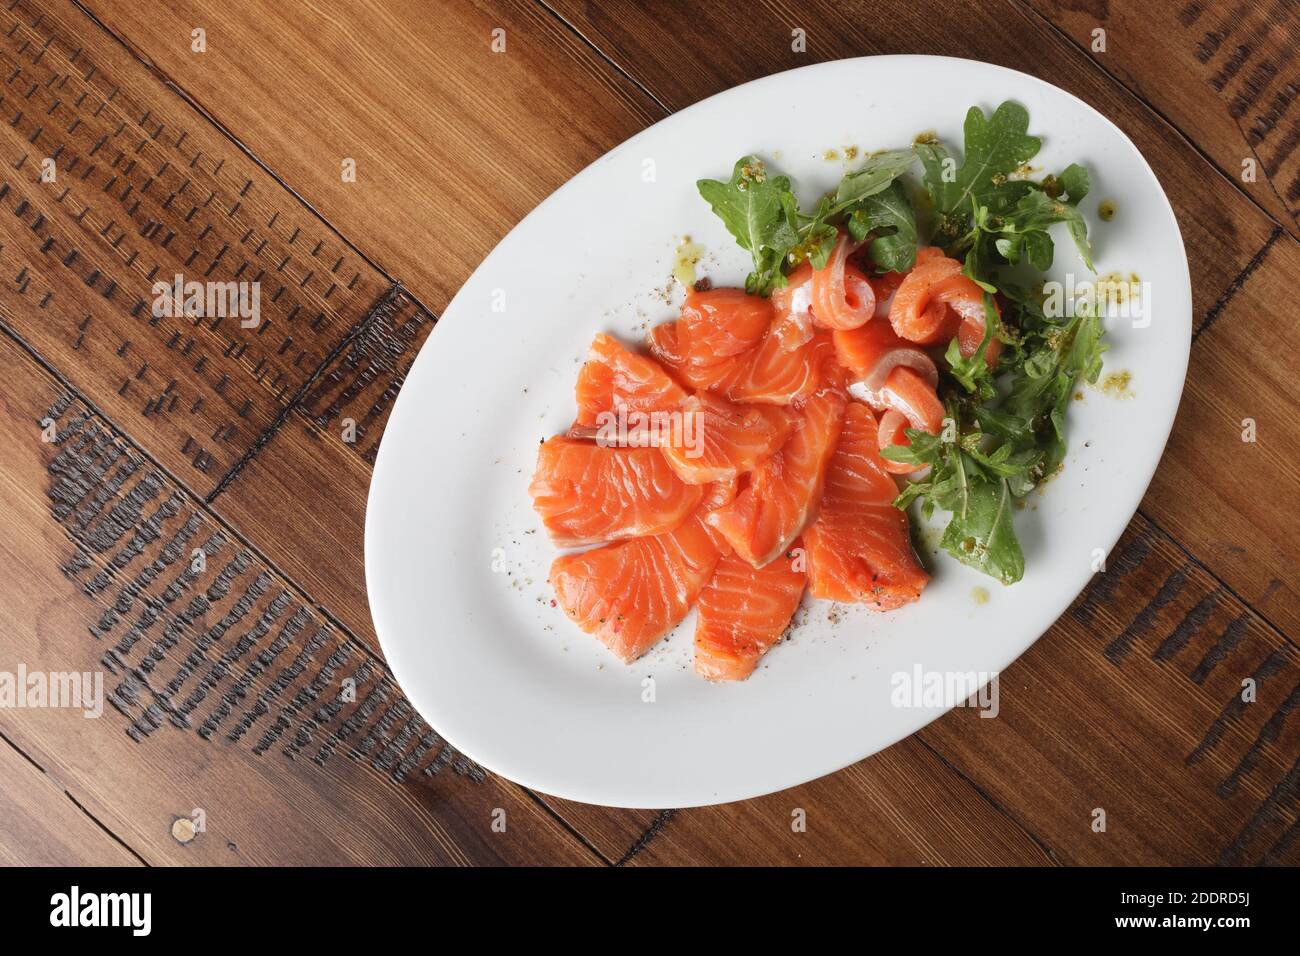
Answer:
(742, 614)
(784, 367)
(587, 493)
(784, 491)
(722, 440)
(720, 323)
(631, 593)
(858, 549)
(871, 351)
(613, 376)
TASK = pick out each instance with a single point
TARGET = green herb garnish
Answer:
(1005, 430)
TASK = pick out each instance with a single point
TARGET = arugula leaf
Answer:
(879, 170)
(924, 449)
(973, 487)
(891, 217)
(980, 533)
(868, 199)
(1074, 183)
(817, 236)
(1035, 211)
(938, 166)
(760, 211)
(995, 147)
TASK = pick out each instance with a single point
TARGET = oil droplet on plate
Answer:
(687, 255)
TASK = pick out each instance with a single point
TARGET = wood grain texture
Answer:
(453, 143)
(1133, 703)
(902, 807)
(228, 690)
(43, 826)
(304, 494)
(111, 184)
(1240, 377)
(233, 703)
(1226, 74)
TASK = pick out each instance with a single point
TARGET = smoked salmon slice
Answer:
(911, 402)
(842, 297)
(587, 493)
(872, 351)
(742, 613)
(720, 440)
(795, 297)
(720, 323)
(915, 313)
(784, 491)
(631, 593)
(614, 377)
(966, 300)
(936, 301)
(858, 549)
(784, 367)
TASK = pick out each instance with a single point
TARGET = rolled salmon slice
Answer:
(872, 351)
(795, 297)
(631, 593)
(858, 549)
(915, 313)
(614, 376)
(587, 493)
(784, 491)
(842, 298)
(966, 299)
(717, 440)
(910, 402)
(742, 613)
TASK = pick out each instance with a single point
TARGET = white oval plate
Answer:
(456, 561)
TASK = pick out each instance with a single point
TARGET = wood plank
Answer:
(1133, 703)
(43, 826)
(1225, 74)
(229, 690)
(1221, 496)
(453, 143)
(902, 807)
(111, 184)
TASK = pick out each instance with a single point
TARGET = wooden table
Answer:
(184, 510)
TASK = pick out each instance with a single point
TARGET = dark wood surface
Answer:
(170, 435)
